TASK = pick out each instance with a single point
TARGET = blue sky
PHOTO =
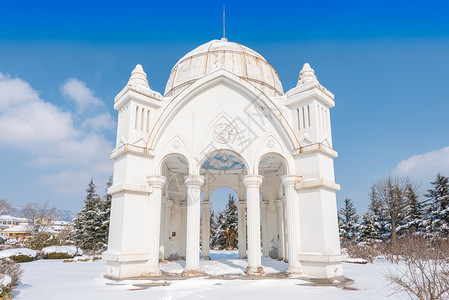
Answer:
(62, 63)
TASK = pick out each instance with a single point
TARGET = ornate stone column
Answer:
(157, 183)
(284, 211)
(252, 183)
(205, 233)
(194, 183)
(291, 198)
(280, 220)
(162, 231)
(242, 228)
(167, 231)
(183, 238)
(265, 242)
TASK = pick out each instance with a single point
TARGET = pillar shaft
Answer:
(280, 226)
(241, 228)
(157, 183)
(168, 206)
(265, 240)
(205, 232)
(183, 237)
(194, 183)
(252, 183)
(162, 231)
(284, 211)
(291, 198)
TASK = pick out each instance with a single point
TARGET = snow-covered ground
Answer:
(53, 279)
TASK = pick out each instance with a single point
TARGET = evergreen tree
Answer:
(348, 221)
(439, 206)
(87, 222)
(104, 215)
(226, 234)
(415, 216)
(369, 229)
(213, 229)
(375, 208)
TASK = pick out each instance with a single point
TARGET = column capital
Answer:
(183, 204)
(252, 181)
(194, 180)
(264, 204)
(241, 204)
(206, 204)
(156, 181)
(289, 181)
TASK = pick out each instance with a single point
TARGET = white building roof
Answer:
(221, 54)
(7, 218)
(18, 228)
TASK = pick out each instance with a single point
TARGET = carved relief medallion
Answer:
(270, 143)
(176, 144)
(223, 133)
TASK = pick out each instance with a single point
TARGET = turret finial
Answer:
(138, 77)
(306, 75)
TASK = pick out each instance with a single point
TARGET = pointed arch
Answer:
(242, 86)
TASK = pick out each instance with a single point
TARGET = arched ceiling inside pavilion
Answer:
(223, 162)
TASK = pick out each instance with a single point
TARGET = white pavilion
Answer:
(223, 121)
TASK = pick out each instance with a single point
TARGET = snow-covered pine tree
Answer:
(227, 225)
(375, 207)
(348, 221)
(213, 229)
(87, 222)
(439, 206)
(415, 214)
(369, 228)
(104, 216)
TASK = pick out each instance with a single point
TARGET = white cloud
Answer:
(424, 167)
(100, 122)
(80, 93)
(48, 136)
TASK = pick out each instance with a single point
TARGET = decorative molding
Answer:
(317, 147)
(130, 149)
(316, 183)
(303, 257)
(129, 188)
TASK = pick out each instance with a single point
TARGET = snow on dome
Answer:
(221, 54)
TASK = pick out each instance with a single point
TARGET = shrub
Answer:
(58, 255)
(21, 258)
(41, 240)
(9, 268)
(364, 250)
(425, 274)
(6, 292)
(12, 269)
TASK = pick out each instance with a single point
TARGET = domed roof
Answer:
(221, 54)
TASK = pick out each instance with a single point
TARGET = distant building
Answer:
(13, 227)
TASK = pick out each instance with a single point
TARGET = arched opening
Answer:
(173, 209)
(224, 223)
(223, 171)
(272, 167)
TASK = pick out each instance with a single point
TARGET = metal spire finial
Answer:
(224, 24)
